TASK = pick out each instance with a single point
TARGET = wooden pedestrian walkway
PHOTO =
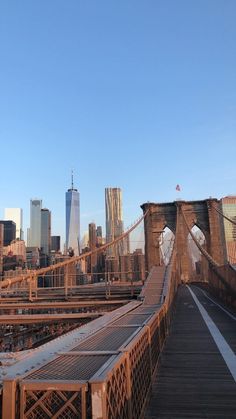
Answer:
(193, 380)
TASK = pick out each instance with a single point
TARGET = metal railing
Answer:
(123, 389)
(92, 382)
(52, 400)
(223, 284)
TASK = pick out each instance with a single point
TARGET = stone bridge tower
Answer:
(197, 213)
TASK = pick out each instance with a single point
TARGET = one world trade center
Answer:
(72, 220)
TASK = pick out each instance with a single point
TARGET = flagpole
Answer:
(178, 189)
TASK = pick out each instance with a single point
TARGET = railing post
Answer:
(98, 395)
(83, 403)
(32, 282)
(166, 308)
(129, 392)
(132, 285)
(149, 344)
(107, 281)
(30, 288)
(66, 280)
(35, 282)
(9, 399)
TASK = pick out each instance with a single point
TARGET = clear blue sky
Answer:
(139, 94)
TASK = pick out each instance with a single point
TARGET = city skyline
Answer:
(36, 219)
(85, 231)
(143, 108)
(118, 145)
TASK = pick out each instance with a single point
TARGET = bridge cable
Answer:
(30, 276)
(211, 261)
(202, 250)
(223, 215)
(167, 250)
(228, 219)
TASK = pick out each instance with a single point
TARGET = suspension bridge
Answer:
(162, 344)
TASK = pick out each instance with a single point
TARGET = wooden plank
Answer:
(192, 380)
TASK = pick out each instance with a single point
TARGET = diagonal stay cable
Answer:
(202, 250)
(211, 261)
(223, 215)
(30, 276)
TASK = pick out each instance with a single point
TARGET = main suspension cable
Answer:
(202, 250)
(33, 274)
(223, 215)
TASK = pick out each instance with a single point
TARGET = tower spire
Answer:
(72, 180)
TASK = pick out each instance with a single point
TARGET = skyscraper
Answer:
(72, 219)
(92, 247)
(45, 231)
(55, 243)
(35, 223)
(228, 205)
(138, 265)
(114, 218)
(16, 215)
(92, 236)
(9, 231)
(99, 235)
(28, 236)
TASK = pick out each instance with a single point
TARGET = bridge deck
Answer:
(96, 354)
(193, 380)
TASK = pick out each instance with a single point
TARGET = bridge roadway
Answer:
(197, 371)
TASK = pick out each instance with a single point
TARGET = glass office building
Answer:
(35, 223)
(9, 231)
(45, 231)
(55, 243)
(72, 220)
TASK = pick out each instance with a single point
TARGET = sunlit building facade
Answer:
(228, 205)
(138, 265)
(16, 248)
(16, 215)
(114, 223)
(114, 216)
(125, 267)
(99, 235)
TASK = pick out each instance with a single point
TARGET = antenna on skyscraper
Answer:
(72, 179)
